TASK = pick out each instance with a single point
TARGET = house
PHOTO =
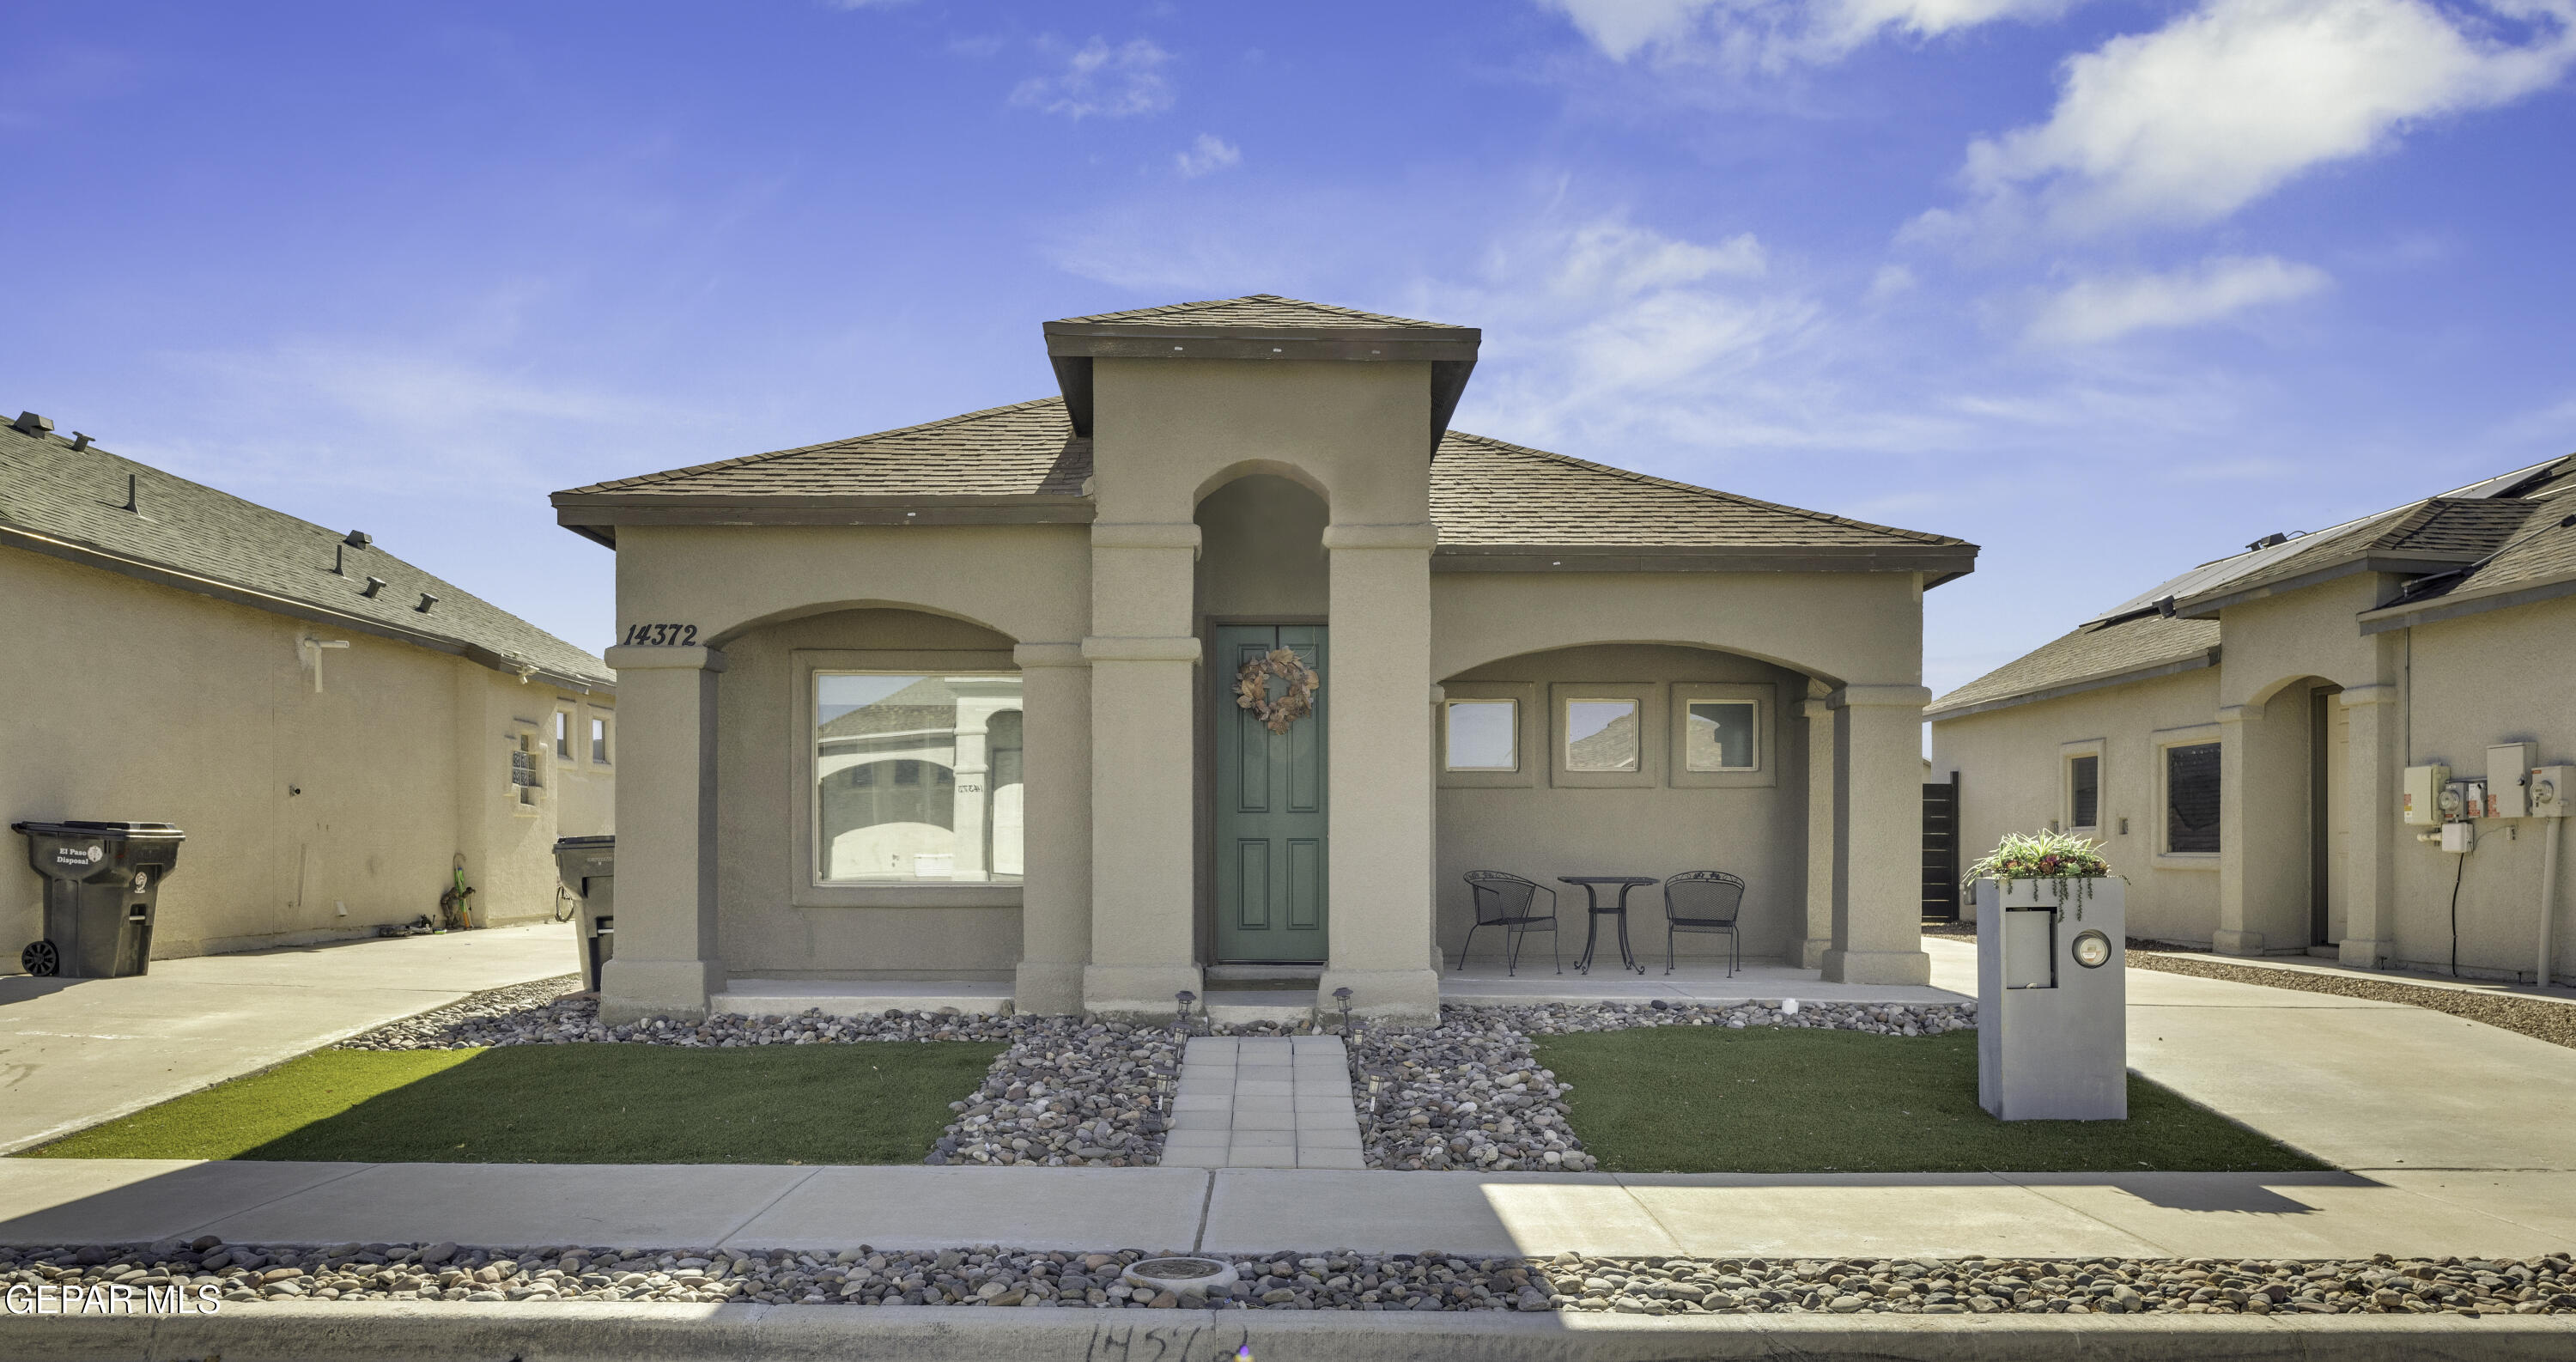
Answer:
(335, 730)
(966, 700)
(2238, 737)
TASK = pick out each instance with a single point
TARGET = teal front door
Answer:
(1269, 822)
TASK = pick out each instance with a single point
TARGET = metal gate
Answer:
(1941, 850)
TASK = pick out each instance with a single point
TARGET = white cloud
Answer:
(2195, 120)
(2107, 307)
(1103, 81)
(1774, 32)
(1206, 156)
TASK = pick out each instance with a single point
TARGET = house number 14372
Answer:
(661, 635)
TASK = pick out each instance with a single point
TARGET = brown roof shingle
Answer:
(1024, 449)
(2096, 652)
(1255, 310)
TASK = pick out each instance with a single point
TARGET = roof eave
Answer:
(2433, 610)
(2207, 657)
(1944, 561)
(596, 516)
(91, 555)
(2207, 607)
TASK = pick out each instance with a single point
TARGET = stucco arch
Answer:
(1841, 628)
(1693, 645)
(1277, 468)
(997, 638)
(2263, 695)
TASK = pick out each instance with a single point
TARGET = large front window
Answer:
(917, 778)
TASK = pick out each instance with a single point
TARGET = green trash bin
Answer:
(588, 867)
(102, 882)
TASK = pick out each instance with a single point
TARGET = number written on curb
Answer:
(661, 636)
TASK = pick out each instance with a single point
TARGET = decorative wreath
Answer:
(1252, 689)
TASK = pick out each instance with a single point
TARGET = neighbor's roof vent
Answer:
(79, 442)
(426, 601)
(358, 539)
(374, 585)
(2268, 541)
(29, 423)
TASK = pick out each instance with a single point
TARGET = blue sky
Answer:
(2110, 288)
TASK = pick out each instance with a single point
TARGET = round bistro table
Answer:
(1592, 886)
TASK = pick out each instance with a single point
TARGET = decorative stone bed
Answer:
(46, 1278)
(1075, 1092)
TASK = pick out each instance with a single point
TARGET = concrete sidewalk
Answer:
(75, 1052)
(1935, 1215)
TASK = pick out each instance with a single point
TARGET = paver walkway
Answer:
(75, 1052)
(1267, 1102)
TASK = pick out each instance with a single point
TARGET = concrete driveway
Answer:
(75, 1052)
(2410, 1098)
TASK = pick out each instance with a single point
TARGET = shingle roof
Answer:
(2093, 653)
(75, 498)
(1485, 493)
(1255, 310)
(1024, 449)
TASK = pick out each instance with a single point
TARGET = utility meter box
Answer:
(2509, 779)
(2052, 1001)
(2553, 791)
(2423, 794)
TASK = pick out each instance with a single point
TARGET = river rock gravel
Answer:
(77, 1279)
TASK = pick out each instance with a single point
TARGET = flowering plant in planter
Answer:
(2070, 864)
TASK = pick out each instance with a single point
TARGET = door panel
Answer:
(1269, 816)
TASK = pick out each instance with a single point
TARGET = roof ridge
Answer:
(845, 442)
(1180, 310)
(1738, 498)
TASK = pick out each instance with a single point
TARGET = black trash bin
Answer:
(588, 866)
(102, 881)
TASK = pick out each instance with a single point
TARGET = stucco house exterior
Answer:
(332, 727)
(960, 700)
(2237, 736)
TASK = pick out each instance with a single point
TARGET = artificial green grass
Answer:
(877, 1103)
(1765, 1100)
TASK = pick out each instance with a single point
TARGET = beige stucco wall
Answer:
(129, 700)
(2480, 679)
(2011, 780)
(1540, 829)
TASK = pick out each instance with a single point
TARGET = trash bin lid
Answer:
(83, 827)
(602, 841)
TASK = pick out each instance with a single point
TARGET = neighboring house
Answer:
(332, 727)
(959, 701)
(2237, 737)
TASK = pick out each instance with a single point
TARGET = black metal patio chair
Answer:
(1505, 900)
(1704, 901)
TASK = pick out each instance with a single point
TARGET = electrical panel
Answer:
(2423, 794)
(2553, 791)
(2509, 779)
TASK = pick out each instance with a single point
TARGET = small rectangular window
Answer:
(599, 741)
(1483, 735)
(1720, 736)
(2191, 798)
(1600, 735)
(563, 735)
(2084, 792)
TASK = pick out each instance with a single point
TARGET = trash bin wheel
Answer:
(41, 959)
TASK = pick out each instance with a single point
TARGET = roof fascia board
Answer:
(1952, 561)
(2207, 607)
(2208, 658)
(1382, 344)
(821, 511)
(2448, 607)
(85, 555)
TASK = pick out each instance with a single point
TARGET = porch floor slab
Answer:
(1483, 984)
(860, 997)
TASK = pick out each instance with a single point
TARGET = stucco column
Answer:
(2371, 776)
(1055, 885)
(667, 962)
(1878, 836)
(2262, 826)
(1820, 834)
(1378, 785)
(1144, 671)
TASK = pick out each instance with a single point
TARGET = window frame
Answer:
(565, 723)
(601, 745)
(1764, 772)
(1529, 735)
(2164, 741)
(805, 886)
(1651, 754)
(2068, 753)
